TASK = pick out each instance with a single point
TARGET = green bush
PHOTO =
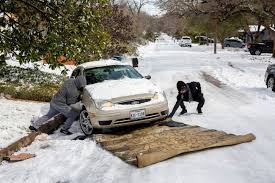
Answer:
(42, 93)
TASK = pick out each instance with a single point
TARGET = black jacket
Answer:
(195, 90)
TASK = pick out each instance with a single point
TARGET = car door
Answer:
(239, 44)
(236, 43)
(233, 43)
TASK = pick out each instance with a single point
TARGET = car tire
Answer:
(271, 83)
(252, 52)
(85, 123)
(227, 45)
(258, 52)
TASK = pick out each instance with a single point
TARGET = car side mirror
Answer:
(147, 77)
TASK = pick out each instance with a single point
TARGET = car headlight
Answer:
(159, 96)
(104, 103)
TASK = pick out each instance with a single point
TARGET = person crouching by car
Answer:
(67, 102)
(188, 92)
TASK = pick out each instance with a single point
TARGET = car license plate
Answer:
(138, 114)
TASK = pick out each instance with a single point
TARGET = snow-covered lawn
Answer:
(241, 105)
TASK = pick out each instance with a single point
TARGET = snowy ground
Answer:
(242, 105)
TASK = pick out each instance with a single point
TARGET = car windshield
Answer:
(186, 38)
(113, 72)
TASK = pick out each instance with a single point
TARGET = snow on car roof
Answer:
(102, 63)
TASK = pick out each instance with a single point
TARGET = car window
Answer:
(233, 41)
(114, 72)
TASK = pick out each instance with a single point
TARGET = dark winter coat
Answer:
(188, 91)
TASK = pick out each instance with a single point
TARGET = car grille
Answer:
(134, 102)
(127, 120)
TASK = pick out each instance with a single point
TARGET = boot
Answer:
(199, 110)
(32, 128)
(183, 111)
(66, 132)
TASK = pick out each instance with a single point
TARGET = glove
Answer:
(77, 106)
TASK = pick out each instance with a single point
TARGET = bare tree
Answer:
(222, 10)
(219, 11)
(264, 12)
(135, 6)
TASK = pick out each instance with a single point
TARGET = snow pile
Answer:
(102, 63)
(41, 66)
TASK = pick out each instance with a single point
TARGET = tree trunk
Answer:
(216, 36)
(221, 41)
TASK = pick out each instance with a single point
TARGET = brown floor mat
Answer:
(146, 146)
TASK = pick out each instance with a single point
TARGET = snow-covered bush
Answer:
(28, 76)
(28, 84)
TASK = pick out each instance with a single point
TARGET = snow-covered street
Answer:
(241, 105)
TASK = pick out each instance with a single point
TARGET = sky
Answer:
(152, 9)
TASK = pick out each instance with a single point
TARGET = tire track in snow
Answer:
(233, 96)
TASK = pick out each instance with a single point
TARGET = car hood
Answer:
(113, 89)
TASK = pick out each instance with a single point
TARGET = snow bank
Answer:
(43, 67)
(102, 63)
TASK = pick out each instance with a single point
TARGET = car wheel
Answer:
(258, 52)
(271, 83)
(252, 52)
(227, 45)
(85, 123)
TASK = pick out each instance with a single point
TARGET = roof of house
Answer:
(253, 28)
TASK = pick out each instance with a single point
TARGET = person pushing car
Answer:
(67, 102)
(188, 92)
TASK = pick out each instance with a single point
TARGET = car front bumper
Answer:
(118, 118)
(185, 44)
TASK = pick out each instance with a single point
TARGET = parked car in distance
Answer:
(202, 40)
(119, 58)
(270, 77)
(117, 95)
(185, 41)
(259, 48)
(234, 42)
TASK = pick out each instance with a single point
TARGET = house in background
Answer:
(255, 33)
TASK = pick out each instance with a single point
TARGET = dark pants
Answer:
(180, 102)
(70, 114)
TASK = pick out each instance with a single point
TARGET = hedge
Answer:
(28, 84)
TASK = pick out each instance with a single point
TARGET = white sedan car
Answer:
(185, 41)
(117, 95)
